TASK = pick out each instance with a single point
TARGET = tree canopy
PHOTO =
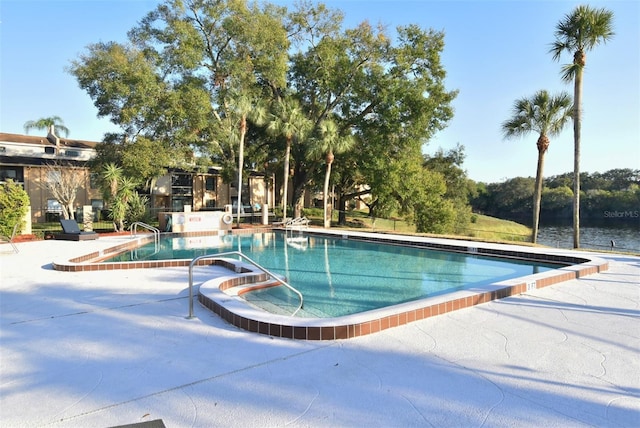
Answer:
(613, 191)
(173, 85)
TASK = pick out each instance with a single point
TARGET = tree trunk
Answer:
(243, 131)
(71, 213)
(537, 194)
(285, 185)
(342, 209)
(300, 184)
(298, 204)
(325, 196)
(577, 119)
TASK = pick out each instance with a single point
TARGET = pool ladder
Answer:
(297, 223)
(242, 256)
(134, 229)
(300, 224)
(156, 235)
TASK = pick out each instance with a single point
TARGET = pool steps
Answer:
(239, 290)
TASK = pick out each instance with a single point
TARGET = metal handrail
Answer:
(237, 253)
(156, 232)
(9, 239)
(297, 222)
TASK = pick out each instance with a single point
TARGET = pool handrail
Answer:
(243, 256)
(156, 232)
(297, 223)
(10, 239)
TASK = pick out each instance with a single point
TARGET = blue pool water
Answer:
(341, 276)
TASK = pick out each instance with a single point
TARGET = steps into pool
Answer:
(269, 302)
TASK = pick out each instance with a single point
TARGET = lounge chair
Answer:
(71, 232)
(9, 239)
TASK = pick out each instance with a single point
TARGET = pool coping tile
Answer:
(236, 311)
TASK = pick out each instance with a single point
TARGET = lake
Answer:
(596, 238)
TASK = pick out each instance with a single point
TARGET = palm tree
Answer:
(547, 115)
(290, 122)
(117, 189)
(579, 32)
(245, 108)
(111, 176)
(330, 142)
(46, 123)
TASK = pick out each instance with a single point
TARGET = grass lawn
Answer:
(483, 228)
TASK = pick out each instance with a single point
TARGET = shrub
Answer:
(313, 212)
(14, 205)
(137, 209)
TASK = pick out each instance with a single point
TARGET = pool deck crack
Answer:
(113, 308)
(194, 383)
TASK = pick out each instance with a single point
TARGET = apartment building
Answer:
(24, 159)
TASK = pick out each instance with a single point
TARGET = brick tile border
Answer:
(237, 312)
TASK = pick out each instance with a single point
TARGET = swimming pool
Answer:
(216, 294)
(339, 276)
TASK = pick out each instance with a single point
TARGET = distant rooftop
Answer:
(38, 139)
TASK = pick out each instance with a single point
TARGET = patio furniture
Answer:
(72, 232)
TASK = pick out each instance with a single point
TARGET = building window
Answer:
(181, 184)
(53, 206)
(178, 203)
(50, 150)
(11, 173)
(54, 176)
(210, 184)
(97, 204)
(181, 180)
(72, 153)
(94, 180)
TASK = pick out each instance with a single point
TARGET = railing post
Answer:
(191, 288)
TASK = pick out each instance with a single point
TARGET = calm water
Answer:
(596, 238)
(340, 277)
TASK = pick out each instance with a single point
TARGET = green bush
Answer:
(14, 205)
(137, 209)
(313, 212)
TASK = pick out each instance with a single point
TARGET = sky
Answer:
(495, 53)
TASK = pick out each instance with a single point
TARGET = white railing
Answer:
(9, 239)
(156, 237)
(156, 232)
(237, 253)
(297, 223)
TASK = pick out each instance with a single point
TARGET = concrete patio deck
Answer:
(108, 348)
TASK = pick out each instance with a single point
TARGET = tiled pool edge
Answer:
(240, 314)
(88, 262)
